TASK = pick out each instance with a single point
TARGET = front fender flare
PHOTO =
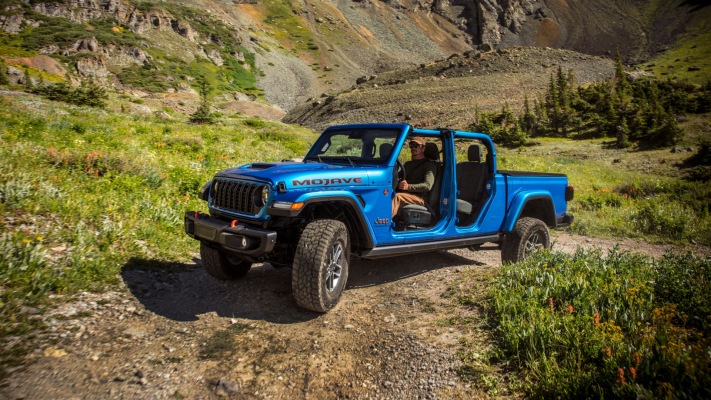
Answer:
(352, 200)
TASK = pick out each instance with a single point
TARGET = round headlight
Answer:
(261, 196)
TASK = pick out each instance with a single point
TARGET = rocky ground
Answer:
(172, 331)
(448, 92)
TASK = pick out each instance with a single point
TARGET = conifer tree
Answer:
(623, 135)
(203, 115)
(29, 87)
(4, 80)
(529, 123)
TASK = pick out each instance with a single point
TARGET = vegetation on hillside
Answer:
(87, 94)
(618, 195)
(689, 60)
(161, 71)
(290, 29)
(84, 190)
(644, 112)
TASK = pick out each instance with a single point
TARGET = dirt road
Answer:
(172, 331)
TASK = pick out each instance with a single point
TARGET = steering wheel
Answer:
(401, 174)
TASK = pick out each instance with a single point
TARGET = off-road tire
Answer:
(320, 267)
(528, 236)
(220, 265)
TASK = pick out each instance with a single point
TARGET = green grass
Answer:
(83, 191)
(693, 49)
(616, 326)
(633, 197)
(289, 27)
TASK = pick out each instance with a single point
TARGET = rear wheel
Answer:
(321, 265)
(528, 236)
(219, 264)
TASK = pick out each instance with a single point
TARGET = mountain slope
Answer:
(282, 52)
(448, 93)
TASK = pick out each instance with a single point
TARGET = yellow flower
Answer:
(39, 238)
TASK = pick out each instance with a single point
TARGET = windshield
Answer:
(354, 146)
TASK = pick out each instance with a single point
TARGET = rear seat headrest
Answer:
(474, 153)
(432, 151)
(385, 150)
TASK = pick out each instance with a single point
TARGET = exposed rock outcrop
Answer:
(93, 67)
(81, 11)
(43, 63)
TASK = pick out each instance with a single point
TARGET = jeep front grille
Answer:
(235, 196)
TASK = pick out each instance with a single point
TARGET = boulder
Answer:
(214, 56)
(92, 67)
(15, 75)
(184, 29)
(90, 45)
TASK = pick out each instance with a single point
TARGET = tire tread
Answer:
(311, 253)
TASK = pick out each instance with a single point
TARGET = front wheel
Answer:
(222, 266)
(321, 265)
(528, 236)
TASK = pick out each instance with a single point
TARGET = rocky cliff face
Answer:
(138, 21)
(597, 27)
(485, 21)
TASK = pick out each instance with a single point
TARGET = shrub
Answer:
(3, 73)
(586, 325)
(661, 218)
(88, 94)
(684, 282)
(599, 200)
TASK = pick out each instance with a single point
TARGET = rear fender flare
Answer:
(518, 205)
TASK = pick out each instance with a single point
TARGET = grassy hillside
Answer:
(172, 61)
(689, 60)
(82, 191)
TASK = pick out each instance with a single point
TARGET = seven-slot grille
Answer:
(235, 196)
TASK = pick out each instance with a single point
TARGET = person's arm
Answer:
(428, 181)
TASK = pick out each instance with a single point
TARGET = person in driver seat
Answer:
(420, 174)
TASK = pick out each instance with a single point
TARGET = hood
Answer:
(300, 175)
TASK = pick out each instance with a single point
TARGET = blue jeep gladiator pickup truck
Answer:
(316, 214)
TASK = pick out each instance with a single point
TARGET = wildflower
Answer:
(637, 358)
(633, 372)
(620, 377)
(596, 318)
(570, 309)
(39, 238)
(608, 351)
(550, 303)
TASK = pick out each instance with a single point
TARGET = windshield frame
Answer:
(363, 142)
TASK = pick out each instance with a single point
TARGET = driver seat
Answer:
(417, 215)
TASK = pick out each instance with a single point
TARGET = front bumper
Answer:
(231, 236)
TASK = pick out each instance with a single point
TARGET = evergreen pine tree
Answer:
(29, 87)
(529, 123)
(623, 135)
(4, 80)
(203, 115)
(621, 86)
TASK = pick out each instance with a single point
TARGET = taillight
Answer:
(569, 193)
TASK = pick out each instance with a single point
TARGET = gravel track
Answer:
(172, 331)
